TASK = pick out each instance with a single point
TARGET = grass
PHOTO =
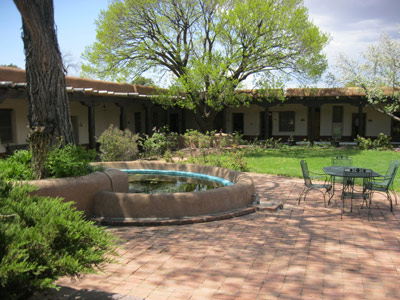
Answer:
(286, 162)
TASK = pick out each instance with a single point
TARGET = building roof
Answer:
(13, 78)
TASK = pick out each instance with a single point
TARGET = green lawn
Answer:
(286, 162)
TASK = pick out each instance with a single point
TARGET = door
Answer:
(174, 122)
(262, 125)
(237, 122)
(356, 129)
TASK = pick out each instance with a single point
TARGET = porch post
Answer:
(91, 125)
(312, 125)
(266, 123)
(147, 120)
(224, 120)
(183, 121)
(360, 120)
(123, 121)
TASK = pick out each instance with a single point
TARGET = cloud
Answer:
(354, 25)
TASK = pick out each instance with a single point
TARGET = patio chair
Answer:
(349, 174)
(309, 185)
(383, 184)
(342, 161)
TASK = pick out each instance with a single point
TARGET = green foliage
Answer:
(233, 160)
(273, 143)
(66, 161)
(159, 142)
(210, 47)
(382, 142)
(43, 238)
(17, 166)
(69, 161)
(118, 145)
(144, 81)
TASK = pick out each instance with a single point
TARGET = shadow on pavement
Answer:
(66, 293)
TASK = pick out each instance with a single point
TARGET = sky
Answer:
(351, 24)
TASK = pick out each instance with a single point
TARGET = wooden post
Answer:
(312, 125)
(123, 122)
(266, 123)
(360, 121)
(91, 125)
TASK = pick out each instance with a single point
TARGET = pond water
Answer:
(166, 181)
(162, 184)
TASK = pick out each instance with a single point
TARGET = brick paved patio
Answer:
(300, 252)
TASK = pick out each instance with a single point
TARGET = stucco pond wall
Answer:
(82, 190)
(114, 206)
(104, 196)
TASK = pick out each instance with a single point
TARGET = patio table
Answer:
(356, 172)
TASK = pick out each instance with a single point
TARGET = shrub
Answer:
(382, 142)
(43, 238)
(118, 145)
(68, 161)
(17, 166)
(159, 142)
(233, 160)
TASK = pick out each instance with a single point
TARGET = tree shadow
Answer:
(67, 293)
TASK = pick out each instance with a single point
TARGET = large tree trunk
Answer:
(49, 116)
(205, 122)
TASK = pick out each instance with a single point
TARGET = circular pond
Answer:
(236, 193)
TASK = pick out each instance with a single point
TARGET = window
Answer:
(6, 132)
(337, 115)
(286, 121)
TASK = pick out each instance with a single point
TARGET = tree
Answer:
(209, 46)
(378, 75)
(49, 117)
(143, 81)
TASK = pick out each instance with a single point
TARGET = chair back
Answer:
(391, 172)
(342, 160)
(306, 173)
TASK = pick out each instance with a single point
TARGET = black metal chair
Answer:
(349, 174)
(309, 185)
(383, 185)
(342, 161)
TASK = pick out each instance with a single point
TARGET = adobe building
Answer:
(312, 114)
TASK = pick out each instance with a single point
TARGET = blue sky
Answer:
(352, 24)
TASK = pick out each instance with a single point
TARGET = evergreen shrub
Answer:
(43, 238)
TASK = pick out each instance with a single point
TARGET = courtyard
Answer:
(302, 251)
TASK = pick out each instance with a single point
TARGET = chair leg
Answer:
(394, 193)
(390, 200)
(369, 206)
(301, 194)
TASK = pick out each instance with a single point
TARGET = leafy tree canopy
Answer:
(209, 46)
(377, 74)
(143, 81)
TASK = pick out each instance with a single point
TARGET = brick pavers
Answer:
(303, 251)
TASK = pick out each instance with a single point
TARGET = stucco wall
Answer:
(251, 119)
(300, 119)
(376, 122)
